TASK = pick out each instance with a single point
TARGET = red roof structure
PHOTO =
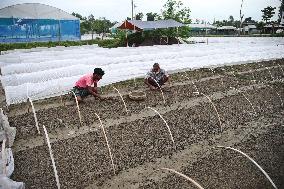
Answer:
(140, 25)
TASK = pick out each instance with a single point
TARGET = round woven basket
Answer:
(137, 95)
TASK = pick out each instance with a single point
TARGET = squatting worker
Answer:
(156, 77)
(87, 85)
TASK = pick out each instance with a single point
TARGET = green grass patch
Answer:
(109, 43)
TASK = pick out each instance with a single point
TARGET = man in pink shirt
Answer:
(87, 85)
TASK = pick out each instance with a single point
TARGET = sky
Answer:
(118, 10)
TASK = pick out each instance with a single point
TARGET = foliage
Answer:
(281, 10)
(249, 20)
(152, 16)
(100, 26)
(260, 26)
(79, 16)
(268, 13)
(92, 25)
(174, 10)
(232, 22)
(121, 37)
(84, 27)
(135, 38)
(231, 19)
(139, 16)
(110, 43)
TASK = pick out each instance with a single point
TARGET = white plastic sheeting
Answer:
(8, 161)
(52, 72)
(6, 132)
(6, 183)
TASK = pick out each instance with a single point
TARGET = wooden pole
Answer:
(132, 9)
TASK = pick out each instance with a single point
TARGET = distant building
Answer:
(250, 29)
(202, 29)
(271, 29)
(30, 22)
(227, 30)
(113, 29)
(139, 25)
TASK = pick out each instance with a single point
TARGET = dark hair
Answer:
(99, 71)
(156, 64)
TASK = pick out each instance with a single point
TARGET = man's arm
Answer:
(148, 75)
(166, 76)
(90, 89)
(149, 85)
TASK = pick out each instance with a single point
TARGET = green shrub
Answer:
(109, 43)
(12, 46)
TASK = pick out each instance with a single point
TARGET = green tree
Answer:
(249, 20)
(77, 15)
(101, 26)
(152, 16)
(281, 10)
(139, 16)
(260, 26)
(91, 24)
(237, 23)
(84, 25)
(268, 13)
(176, 11)
(231, 21)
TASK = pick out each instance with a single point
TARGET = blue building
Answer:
(30, 22)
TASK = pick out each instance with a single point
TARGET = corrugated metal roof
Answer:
(116, 25)
(227, 28)
(147, 25)
(202, 26)
(250, 27)
(35, 11)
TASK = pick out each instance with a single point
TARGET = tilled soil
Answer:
(53, 117)
(229, 169)
(132, 144)
(142, 137)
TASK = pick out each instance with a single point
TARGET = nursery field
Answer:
(245, 111)
(222, 109)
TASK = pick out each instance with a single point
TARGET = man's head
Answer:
(98, 74)
(156, 67)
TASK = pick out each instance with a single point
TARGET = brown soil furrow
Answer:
(85, 158)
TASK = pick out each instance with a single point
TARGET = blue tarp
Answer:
(29, 30)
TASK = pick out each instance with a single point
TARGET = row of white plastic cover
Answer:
(49, 73)
(17, 74)
(29, 55)
(79, 67)
(41, 72)
(54, 58)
